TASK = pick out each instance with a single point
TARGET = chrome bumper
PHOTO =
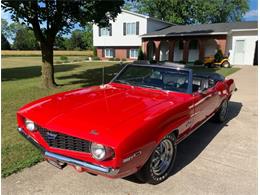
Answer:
(96, 168)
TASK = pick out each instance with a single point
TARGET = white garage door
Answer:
(239, 52)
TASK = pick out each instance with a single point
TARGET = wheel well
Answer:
(175, 133)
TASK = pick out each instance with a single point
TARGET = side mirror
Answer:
(202, 91)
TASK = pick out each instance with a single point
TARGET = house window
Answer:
(131, 28)
(109, 53)
(133, 53)
(180, 45)
(193, 44)
(104, 31)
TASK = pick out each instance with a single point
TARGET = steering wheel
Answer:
(173, 84)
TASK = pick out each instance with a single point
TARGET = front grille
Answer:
(63, 141)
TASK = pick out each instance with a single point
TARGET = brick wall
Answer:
(120, 52)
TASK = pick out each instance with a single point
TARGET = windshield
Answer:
(155, 77)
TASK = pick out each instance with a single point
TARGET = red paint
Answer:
(127, 118)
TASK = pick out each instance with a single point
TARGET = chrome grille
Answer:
(63, 141)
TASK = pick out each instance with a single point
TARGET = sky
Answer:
(251, 15)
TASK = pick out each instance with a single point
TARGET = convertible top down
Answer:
(131, 125)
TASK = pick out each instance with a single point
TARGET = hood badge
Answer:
(94, 132)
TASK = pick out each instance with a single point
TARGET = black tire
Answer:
(221, 114)
(226, 64)
(148, 173)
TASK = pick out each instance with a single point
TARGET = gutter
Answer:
(183, 35)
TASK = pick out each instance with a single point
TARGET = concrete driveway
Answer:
(216, 159)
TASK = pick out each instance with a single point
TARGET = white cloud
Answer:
(251, 13)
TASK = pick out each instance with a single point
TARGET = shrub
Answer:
(140, 54)
(111, 59)
(63, 58)
(123, 59)
(117, 59)
(218, 56)
(182, 62)
(94, 51)
(198, 62)
(95, 58)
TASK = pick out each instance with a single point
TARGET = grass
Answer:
(20, 85)
(38, 53)
(224, 71)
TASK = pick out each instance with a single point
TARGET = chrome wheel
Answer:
(223, 110)
(162, 157)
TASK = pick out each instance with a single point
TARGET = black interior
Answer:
(203, 81)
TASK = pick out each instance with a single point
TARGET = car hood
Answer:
(93, 110)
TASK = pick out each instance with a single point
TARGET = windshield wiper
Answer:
(123, 82)
(152, 87)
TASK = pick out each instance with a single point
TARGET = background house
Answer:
(163, 41)
(189, 43)
(122, 38)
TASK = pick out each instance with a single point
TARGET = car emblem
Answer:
(94, 132)
(51, 136)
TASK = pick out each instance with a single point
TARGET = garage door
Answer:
(239, 52)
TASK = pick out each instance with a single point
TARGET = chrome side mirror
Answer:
(202, 91)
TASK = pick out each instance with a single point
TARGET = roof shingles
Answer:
(201, 29)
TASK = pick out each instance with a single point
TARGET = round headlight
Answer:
(29, 125)
(98, 151)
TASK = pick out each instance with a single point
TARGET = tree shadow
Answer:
(12, 74)
(191, 147)
(93, 76)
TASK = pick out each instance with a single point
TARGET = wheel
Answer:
(160, 164)
(225, 64)
(221, 114)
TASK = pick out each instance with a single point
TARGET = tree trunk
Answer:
(48, 80)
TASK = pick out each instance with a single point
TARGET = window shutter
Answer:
(110, 30)
(99, 31)
(127, 53)
(103, 52)
(137, 28)
(124, 28)
(114, 52)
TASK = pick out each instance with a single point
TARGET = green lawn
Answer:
(20, 85)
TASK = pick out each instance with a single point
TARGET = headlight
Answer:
(101, 152)
(30, 125)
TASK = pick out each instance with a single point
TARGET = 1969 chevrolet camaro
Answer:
(131, 125)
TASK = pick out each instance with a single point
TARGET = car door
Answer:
(204, 104)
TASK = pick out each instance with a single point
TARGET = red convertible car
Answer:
(131, 125)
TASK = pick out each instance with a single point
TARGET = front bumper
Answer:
(64, 159)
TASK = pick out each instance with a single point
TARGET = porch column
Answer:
(144, 48)
(157, 50)
(201, 49)
(222, 44)
(186, 50)
(171, 50)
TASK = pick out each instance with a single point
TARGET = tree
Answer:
(194, 11)
(48, 18)
(5, 45)
(25, 39)
(5, 30)
(76, 40)
(88, 36)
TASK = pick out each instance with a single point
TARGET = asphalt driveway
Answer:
(216, 159)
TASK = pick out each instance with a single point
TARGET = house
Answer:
(121, 39)
(189, 43)
(163, 41)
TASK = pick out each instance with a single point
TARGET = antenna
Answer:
(103, 75)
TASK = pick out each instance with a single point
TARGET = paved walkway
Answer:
(217, 159)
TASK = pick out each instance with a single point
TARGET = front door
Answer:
(239, 54)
